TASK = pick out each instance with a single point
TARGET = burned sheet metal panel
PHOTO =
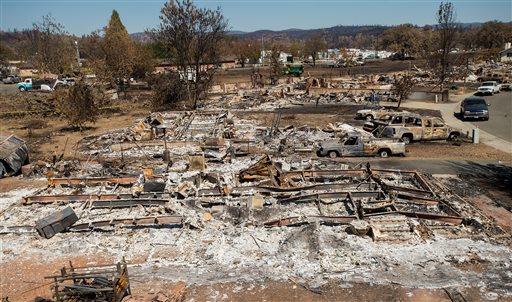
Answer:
(13, 154)
(56, 223)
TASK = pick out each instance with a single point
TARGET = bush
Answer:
(170, 91)
(78, 105)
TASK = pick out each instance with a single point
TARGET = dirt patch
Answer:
(451, 150)
(23, 280)
(319, 71)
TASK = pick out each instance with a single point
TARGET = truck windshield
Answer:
(474, 102)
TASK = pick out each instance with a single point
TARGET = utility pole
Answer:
(377, 47)
(262, 51)
(77, 55)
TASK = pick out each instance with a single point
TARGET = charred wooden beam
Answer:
(44, 199)
(128, 203)
(332, 195)
(93, 180)
(145, 221)
(422, 215)
(299, 220)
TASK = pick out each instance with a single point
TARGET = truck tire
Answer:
(453, 136)
(384, 153)
(22, 88)
(407, 139)
(332, 154)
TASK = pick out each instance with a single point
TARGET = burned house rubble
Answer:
(209, 196)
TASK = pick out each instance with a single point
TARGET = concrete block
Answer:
(56, 223)
(256, 202)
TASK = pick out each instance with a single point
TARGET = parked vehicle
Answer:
(11, 79)
(506, 86)
(357, 144)
(383, 97)
(474, 108)
(42, 85)
(490, 87)
(394, 118)
(419, 129)
(376, 112)
(337, 64)
(295, 70)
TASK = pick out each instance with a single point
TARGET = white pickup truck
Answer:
(489, 87)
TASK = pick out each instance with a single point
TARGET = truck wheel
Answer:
(406, 139)
(22, 88)
(369, 117)
(453, 136)
(384, 153)
(333, 154)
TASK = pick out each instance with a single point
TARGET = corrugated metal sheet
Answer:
(13, 152)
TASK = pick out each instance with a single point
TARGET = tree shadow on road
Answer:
(492, 177)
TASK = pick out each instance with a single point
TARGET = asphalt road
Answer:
(457, 167)
(8, 88)
(500, 118)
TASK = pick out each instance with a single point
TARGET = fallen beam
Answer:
(422, 215)
(299, 220)
(128, 203)
(123, 180)
(145, 221)
(377, 195)
(44, 199)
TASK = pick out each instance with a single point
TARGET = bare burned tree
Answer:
(447, 31)
(276, 68)
(52, 46)
(402, 88)
(194, 36)
(313, 46)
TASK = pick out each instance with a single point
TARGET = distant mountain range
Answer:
(331, 34)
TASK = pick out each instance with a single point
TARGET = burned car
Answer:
(394, 118)
(419, 129)
(375, 113)
(357, 144)
(13, 154)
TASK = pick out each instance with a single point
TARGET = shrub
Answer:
(78, 105)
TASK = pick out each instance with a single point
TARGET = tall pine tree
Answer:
(118, 51)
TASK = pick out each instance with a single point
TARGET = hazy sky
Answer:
(83, 16)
